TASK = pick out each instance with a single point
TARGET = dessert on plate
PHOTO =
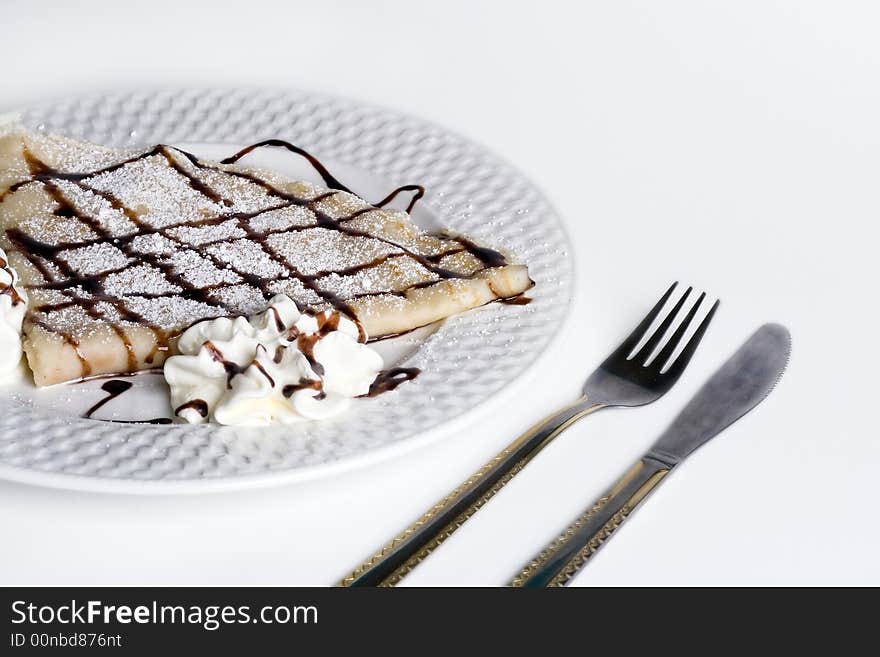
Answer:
(116, 253)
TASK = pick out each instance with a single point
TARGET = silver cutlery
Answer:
(624, 379)
(741, 384)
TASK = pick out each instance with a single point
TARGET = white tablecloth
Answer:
(733, 146)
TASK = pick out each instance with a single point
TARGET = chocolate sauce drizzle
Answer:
(328, 178)
(198, 405)
(113, 388)
(388, 380)
(419, 193)
(518, 300)
(87, 291)
(155, 420)
(9, 290)
(304, 384)
(306, 342)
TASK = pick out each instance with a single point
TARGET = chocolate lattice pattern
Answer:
(162, 239)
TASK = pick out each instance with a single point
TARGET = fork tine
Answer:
(677, 367)
(633, 338)
(646, 351)
(668, 349)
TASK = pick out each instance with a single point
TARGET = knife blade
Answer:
(741, 383)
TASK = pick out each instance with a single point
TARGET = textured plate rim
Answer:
(366, 458)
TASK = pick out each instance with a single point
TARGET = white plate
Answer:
(464, 361)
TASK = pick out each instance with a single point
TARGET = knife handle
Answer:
(398, 557)
(557, 563)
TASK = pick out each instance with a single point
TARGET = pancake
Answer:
(121, 251)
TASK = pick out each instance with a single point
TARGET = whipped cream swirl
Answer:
(278, 366)
(13, 305)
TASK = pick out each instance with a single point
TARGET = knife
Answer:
(735, 389)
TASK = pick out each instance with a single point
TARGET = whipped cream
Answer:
(13, 305)
(278, 366)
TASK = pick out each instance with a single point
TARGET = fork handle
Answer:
(398, 557)
(557, 563)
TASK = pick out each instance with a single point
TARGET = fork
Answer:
(624, 379)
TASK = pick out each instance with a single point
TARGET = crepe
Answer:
(121, 251)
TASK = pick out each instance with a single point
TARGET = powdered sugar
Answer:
(174, 241)
(94, 259)
(244, 255)
(153, 244)
(198, 271)
(395, 274)
(317, 250)
(110, 219)
(158, 193)
(199, 235)
(282, 219)
(140, 279)
(171, 313)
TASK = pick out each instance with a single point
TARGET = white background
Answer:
(730, 145)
